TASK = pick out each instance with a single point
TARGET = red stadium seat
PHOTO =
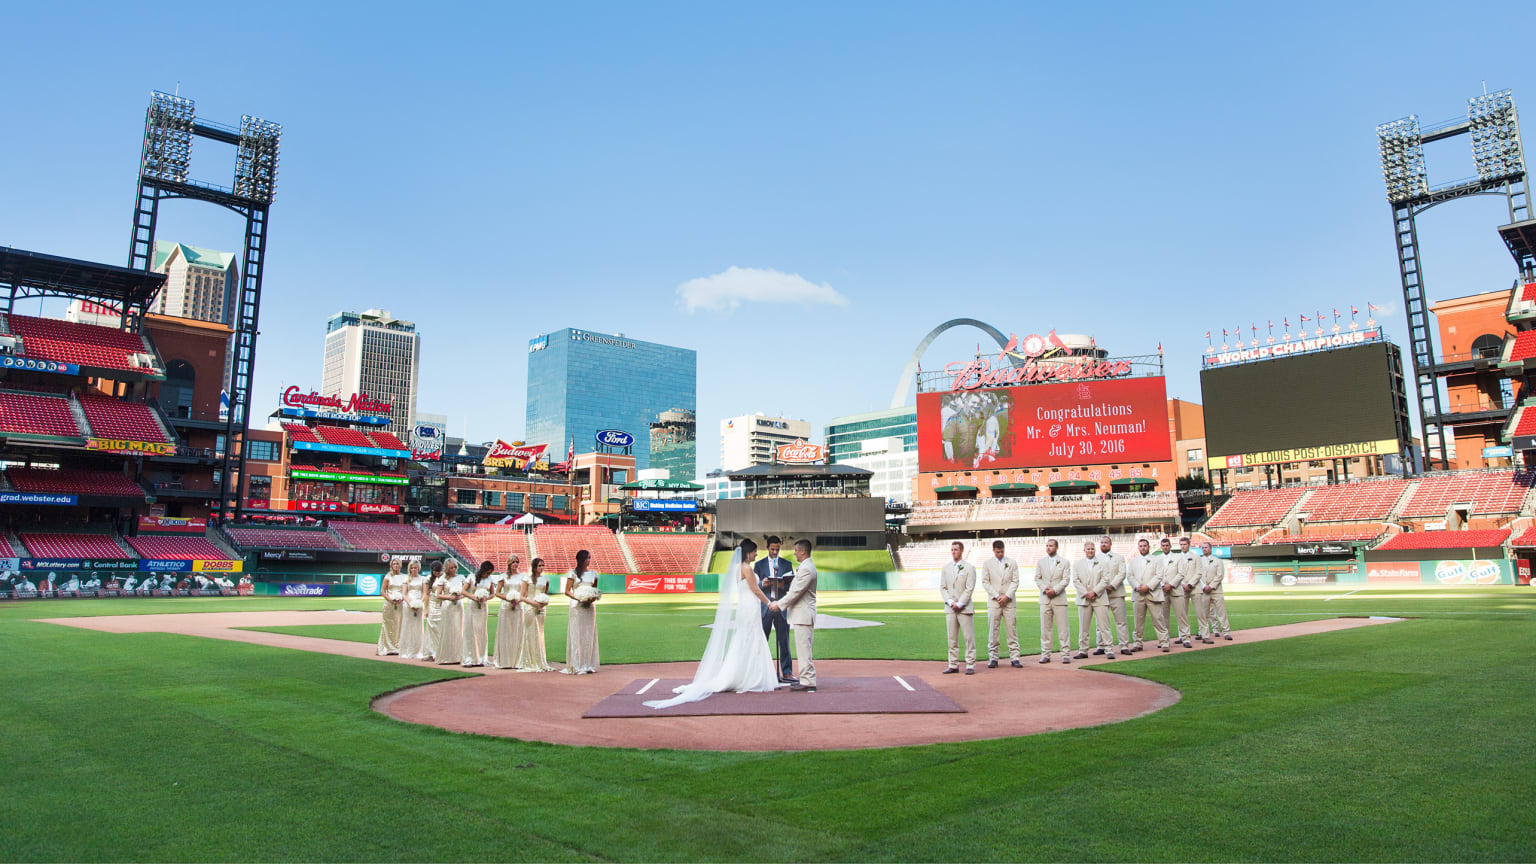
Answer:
(32, 414)
(1373, 499)
(1256, 507)
(82, 344)
(57, 545)
(1488, 492)
(177, 548)
(252, 537)
(493, 543)
(387, 441)
(384, 537)
(1446, 540)
(131, 421)
(667, 553)
(558, 545)
(343, 437)
(300, 432)
(73, 481)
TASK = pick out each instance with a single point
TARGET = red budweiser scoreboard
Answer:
(1079, 423)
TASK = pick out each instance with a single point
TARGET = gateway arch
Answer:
(904, 383)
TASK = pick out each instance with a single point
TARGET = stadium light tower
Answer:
(170, 126)
(1495, 131)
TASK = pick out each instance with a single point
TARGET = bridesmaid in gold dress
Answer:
(531, 657)
(391, 593)
(450, 635)
(413, 617)
(581, 656)
(509, 620)
(434, 620)
(475, 619)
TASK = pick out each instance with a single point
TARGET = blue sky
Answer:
(1140, 172)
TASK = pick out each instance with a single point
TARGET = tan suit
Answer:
(1181, 572)
(1055, 573)
(1114, 564)
(957, 582)
(1089, 576)
(1213, 572)
(1001, 579)
(799, 605)
(1145, 571)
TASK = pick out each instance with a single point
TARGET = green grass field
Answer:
(1404, 742)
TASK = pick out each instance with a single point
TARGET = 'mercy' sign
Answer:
(974, 374)
(357, 403)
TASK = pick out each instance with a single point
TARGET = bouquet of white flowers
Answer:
(393, 596)
(587, 594)
(482, 595)
(540, 598)
(414, 601)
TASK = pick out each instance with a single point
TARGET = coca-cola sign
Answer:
(357, 403)
(801, 452)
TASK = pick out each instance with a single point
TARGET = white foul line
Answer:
(647, 687)
(1342, 596)
(901, 682)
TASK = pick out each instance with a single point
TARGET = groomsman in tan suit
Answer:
(1052, 575)
(1182, 573)
(1090, 583)
(799, 605)
(957, 582)
(1000, 579)
(1144, 575)
(1114, 564)
(1213, 572)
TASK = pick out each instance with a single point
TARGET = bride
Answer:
(736, 659)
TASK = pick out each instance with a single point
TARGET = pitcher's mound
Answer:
(889, 695)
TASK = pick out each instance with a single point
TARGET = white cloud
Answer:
(738, 285)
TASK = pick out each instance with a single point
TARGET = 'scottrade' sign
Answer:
(801, 452)
(614, 438)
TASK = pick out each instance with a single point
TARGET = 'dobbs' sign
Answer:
(615, 438)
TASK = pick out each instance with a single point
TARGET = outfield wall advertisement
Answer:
(1081, 423)
(1496, 571)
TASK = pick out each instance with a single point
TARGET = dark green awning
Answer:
(1074, 484)
(955, 489)
(1018, 487)
(1132, 481)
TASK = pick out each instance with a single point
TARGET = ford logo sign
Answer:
(615, 438)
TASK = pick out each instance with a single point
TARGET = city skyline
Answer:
(801, 206)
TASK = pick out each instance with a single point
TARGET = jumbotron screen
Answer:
(1081, 423)
(1323, 405)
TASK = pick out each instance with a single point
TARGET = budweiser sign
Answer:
(801, 452)
(357, 403)
(1047, 359)
(504, 455)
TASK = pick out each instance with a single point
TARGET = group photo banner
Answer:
(1082, 423)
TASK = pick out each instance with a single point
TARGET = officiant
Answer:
(774, 575)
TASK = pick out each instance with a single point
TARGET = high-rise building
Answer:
(674, 444)
(845, 434)
(884, 442)
(199, 283)
(753, 439)
(377, 354)
(581, 383)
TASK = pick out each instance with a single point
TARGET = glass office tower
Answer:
(845, 435)
(580, 383)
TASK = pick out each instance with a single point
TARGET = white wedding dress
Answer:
(736, 660)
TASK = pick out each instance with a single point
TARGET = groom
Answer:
(799, 605)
